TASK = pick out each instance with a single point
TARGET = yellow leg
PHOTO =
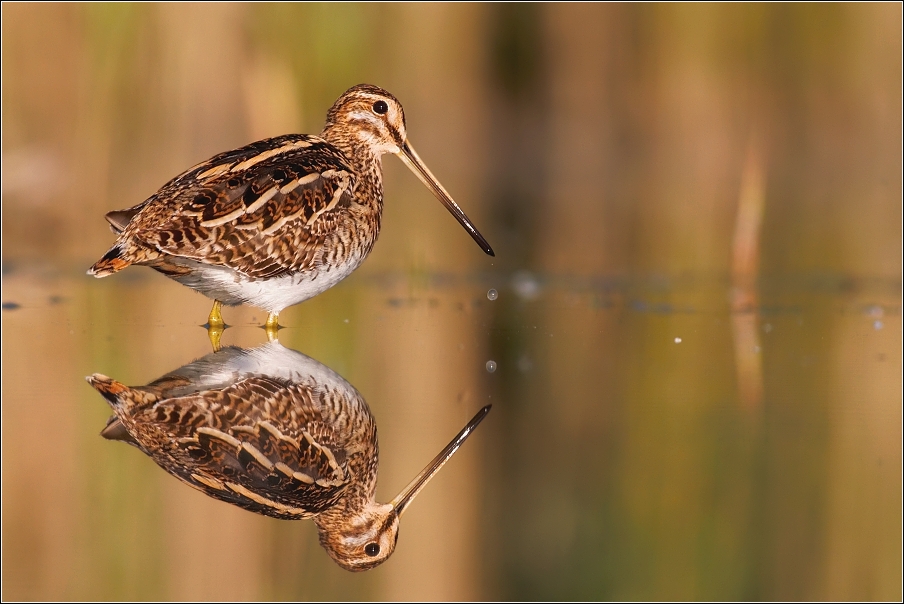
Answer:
(272, 326)
(215, 319)
(215, 325)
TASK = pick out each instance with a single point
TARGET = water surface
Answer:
(646, 441)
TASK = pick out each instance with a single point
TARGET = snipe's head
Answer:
(365, 538)
(368, 117)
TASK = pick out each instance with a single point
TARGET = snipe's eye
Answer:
(380, 107)
(372, 549)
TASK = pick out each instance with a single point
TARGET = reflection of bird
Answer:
(275, 432)
(278, 221)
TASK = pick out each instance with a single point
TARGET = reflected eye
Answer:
(380, 108)
(372, 549)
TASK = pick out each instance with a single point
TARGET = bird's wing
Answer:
(261, 444)
(262, 210)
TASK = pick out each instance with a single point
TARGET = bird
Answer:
(278, 221)
(275, 432)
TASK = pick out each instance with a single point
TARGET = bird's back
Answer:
(264, 210)
(278, 447)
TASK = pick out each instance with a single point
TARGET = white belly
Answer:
(272, 294)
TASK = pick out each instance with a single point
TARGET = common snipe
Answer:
(278, 221)
(274, 432)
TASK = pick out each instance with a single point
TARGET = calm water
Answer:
(645, 441)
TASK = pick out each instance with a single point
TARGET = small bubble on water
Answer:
(677, 340)
(491, 366)
(877, 325)
(492, 294)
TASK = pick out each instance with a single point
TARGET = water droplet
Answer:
(492, 294)
(767, 327)
(877, 325)
(677, 340)
(491, 366)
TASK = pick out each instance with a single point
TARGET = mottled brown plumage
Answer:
(278, 221)
(274, 432)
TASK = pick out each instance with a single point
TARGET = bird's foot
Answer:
(272, 326)
(215, 325)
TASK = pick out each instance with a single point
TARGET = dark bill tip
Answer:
(416, 165)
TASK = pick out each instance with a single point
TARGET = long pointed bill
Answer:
(420, 481)
(415, 164)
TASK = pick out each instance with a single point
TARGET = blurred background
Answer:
(697, 216)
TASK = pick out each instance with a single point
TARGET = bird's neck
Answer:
(348, 505)
(368, 166)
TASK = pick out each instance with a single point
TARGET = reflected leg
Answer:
(215, 325)
(214, 334)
